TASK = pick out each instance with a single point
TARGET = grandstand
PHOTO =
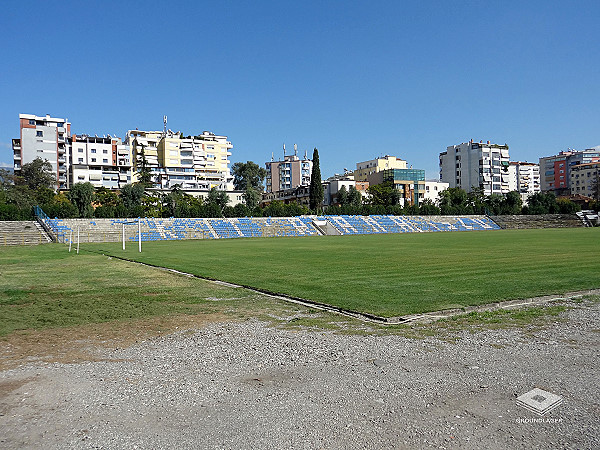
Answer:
(157, 229)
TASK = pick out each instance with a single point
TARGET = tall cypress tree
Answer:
(316, 188)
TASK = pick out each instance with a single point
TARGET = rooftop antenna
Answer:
(164, 125)
(272, 157)
(295, 149)
(283, 151)
(305, 154)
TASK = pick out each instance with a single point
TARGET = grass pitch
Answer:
(392, 274)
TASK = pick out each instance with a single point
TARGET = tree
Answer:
(512, 203)
(453, 201)
(81, 195)
(342, 196)
(428, 208)
(354, 197)
(131, 195)
(106, 197)
(7, 179)
(248, 175)
(384, 194)
(36, 174)
(566, 206)
(251, 197)
(494, 203)
(316, 188)
(476, 199)
(217, 197)
(541, 203)
(143, 169)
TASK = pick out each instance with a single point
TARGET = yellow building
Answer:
(366, 168)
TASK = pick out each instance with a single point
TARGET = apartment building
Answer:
(103, 161)
(555, 169)
(433, 189)
(585, 179)
(476, 164)
(332, 186)
(195, 162)
(366, 168)
(524, 177)
(46, 138)
(146, 143)
(289, 173)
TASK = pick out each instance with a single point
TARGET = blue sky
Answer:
(355, 79)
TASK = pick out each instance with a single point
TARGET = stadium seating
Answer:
(164, 229)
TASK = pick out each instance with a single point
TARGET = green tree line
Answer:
(34, 186)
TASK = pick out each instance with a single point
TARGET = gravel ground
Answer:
(251, 385)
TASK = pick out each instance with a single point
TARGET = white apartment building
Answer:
(524, 177)
(332, 186)
(476, 164)
(103, 161)
(433, 189)
(46, 138)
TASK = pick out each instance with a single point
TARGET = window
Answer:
(80, 150)
(31, 122)
(39, 133)
(105, 161)
(93, 159)
(81, 160)
(93, 150)
(105, 151)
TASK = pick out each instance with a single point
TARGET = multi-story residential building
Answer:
(46, 138)
(195, 162)
(366, 168)
(332, 186)
(147, 142)
(433, 189)
(585, 179)
(555, 173)
(409, 182)
(476, 164)
(103, 161)
(288, 174)
(524, 177)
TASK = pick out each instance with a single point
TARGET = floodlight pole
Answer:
(78, 239)
(140, 235)
(123, 234)
(70, 240)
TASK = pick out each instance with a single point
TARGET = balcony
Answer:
(17, 155)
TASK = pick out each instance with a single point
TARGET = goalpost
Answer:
(130, 222)
(139, 223)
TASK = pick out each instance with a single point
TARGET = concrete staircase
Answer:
(513, 222)
(22, 233)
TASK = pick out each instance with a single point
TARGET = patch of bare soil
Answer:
(86, 342)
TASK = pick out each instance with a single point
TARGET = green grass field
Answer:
(392, 274)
